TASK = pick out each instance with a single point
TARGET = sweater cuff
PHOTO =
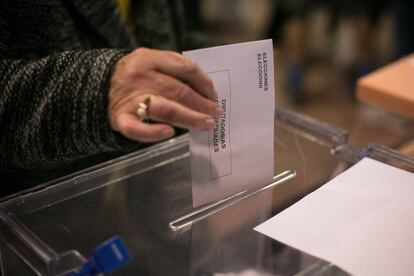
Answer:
(104, 138)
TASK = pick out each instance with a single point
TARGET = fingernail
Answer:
(218, 112)
(214, 95)
(210, 123)
(168, 132)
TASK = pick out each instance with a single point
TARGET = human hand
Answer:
(185, 96)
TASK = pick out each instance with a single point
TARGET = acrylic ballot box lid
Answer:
(54, 228)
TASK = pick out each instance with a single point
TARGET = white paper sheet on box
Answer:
(362, 221)
(238, 153)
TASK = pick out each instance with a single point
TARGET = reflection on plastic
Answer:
(185, 222)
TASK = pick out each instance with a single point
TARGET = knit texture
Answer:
(55, 109)
(56, 61)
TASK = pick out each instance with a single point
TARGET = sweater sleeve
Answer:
(54, 109)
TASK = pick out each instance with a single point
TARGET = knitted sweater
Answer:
(56, 60)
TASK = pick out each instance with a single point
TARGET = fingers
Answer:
(176, 90)
(167, 111)
(184, 69)
(131, 127)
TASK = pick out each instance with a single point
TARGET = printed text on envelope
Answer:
(219, 137)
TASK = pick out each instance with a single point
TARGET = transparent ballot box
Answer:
(53, 229)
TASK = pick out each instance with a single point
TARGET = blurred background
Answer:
(321, 49)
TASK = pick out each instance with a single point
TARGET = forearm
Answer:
(56, 109)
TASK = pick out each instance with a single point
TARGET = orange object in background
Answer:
(390, 87)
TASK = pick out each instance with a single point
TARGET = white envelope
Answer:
(238, 153)
(361, 221)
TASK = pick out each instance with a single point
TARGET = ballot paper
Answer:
(361, 221)
(238, 153)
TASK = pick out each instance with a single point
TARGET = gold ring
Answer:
(143, 108)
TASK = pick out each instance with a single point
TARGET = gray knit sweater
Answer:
(56, 59)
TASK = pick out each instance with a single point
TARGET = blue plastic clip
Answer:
(108, 257)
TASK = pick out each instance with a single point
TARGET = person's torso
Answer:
(34, 28)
